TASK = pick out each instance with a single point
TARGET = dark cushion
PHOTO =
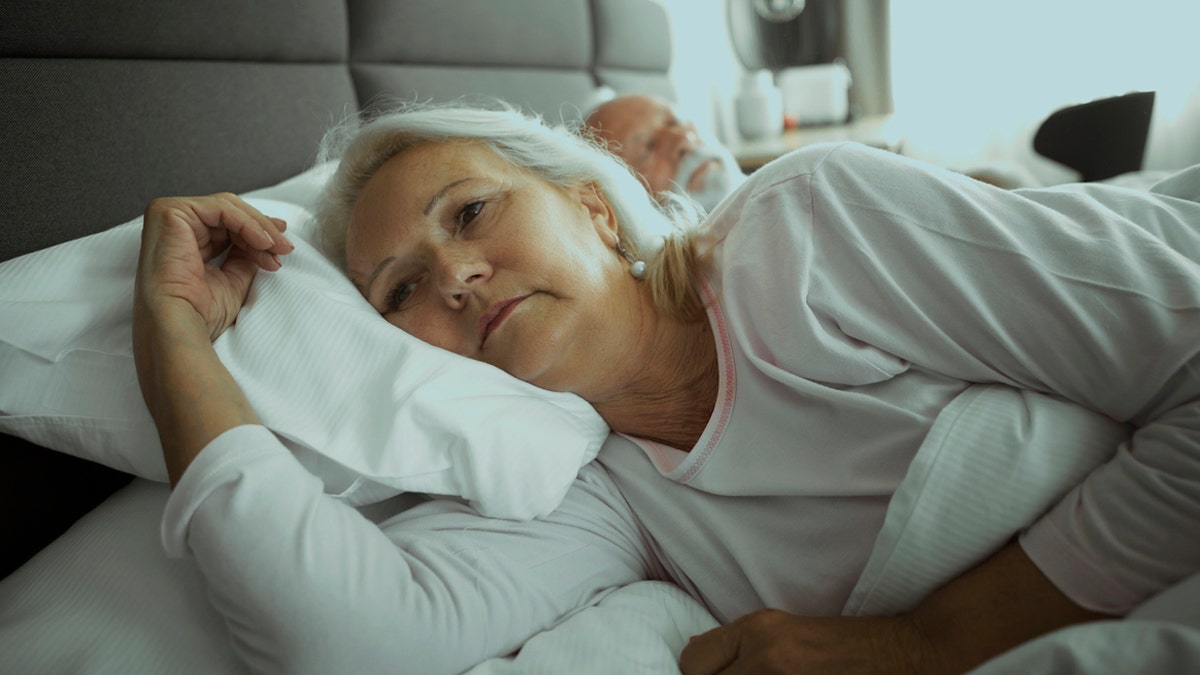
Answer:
(224, 30)
(91, 141)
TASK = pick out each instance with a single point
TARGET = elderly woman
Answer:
(768, 377)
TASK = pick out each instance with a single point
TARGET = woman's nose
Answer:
(461, 276)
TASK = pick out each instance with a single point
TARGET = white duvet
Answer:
(104, 597)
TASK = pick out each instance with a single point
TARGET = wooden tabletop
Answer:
(878, 131)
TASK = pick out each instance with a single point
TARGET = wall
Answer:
(707, 70)
(971, 80)
(704, 65)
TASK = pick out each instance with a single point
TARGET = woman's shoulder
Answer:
(820, 158)
(824, 162)
(786, 177)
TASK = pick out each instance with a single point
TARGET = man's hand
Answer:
(774, 641)
(1000, 604)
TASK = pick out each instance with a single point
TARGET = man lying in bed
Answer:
(664, 150)
(768, 379)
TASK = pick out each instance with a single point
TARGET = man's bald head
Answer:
(663, 149)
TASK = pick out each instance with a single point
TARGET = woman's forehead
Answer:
(452, 154)
(411, 177)
(408, 186)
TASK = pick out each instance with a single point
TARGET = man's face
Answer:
(644, 131)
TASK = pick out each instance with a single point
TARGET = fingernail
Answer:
(278, 262)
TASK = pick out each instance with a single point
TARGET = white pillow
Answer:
(369, 409)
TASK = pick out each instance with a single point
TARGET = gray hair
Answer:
(560, 155)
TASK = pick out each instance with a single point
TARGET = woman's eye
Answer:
(398, 295)
(469, 213)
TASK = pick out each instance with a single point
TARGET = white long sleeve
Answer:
(307, 584)
(1091, 294)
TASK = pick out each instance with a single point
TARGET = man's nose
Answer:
(678, 140)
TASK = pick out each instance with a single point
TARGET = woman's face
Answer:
(457, 247)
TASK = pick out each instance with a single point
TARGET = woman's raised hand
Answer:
(183, 301)
(181, 235)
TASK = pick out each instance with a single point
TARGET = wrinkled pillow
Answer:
(369, 409)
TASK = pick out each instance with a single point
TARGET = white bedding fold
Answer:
(996, 459)
(639, 629)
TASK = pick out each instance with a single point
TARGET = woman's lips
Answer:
(496, 315)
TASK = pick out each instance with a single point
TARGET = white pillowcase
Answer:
(369, 409)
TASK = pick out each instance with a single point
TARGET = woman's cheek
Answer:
(433, 330)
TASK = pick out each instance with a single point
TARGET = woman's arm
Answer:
(190, 394)
(1088, 294)
(308, 585)
(182, 302)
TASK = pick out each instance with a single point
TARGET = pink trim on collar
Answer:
(669, 460)
(727, 389)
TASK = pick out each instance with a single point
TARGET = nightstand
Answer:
(877, 131)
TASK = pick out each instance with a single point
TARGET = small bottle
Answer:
(759, 106)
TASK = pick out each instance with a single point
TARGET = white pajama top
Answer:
(854, 294)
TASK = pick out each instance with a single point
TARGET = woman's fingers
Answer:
(241, 265)
(223, 218)
(182, 234)
(268, 231)
(267, 260)
(248, 227)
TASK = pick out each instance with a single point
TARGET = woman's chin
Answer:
(531, 363)
(533, 344)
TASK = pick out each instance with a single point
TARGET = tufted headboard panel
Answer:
(631, 56)
(473, 49)
(110, 103)
(106, 104)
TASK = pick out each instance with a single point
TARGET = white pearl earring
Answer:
(637, 268)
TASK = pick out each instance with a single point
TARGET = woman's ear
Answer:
(599, 211)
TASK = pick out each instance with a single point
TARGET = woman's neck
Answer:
(668, 390)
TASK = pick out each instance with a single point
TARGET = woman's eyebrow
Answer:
(375, 273)
(428, 209)
(442, 193)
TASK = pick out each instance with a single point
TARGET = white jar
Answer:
(815, 95)
(758, 106)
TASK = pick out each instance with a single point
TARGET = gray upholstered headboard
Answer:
(106, 104)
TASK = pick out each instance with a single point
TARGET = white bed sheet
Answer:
(104, 598)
